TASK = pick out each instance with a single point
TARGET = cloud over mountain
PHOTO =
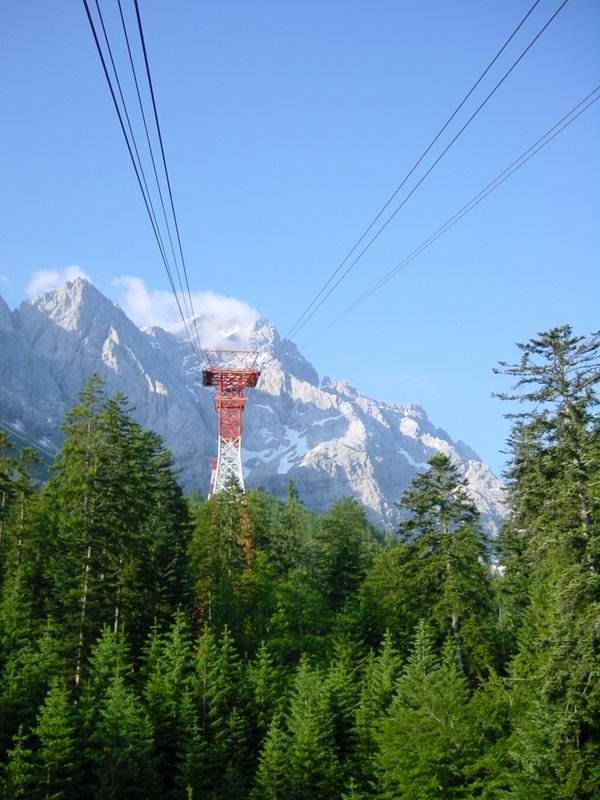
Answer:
(217, 316)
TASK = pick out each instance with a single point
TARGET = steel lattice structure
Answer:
(229, 384)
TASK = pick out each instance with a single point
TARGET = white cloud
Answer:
(46, 279)
(221, 320)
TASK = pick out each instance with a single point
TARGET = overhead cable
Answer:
(164, 160)
(138, 166)
(148, 139)
(188, 304)
(519, 162)
(325, 292)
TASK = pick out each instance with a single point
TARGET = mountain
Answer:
(323, 434)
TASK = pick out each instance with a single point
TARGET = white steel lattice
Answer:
(229, 464)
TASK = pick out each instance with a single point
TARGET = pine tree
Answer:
(55, 732)
(72, 571)
(554, 504)
(116, 733)
(377, 689)
(341, 684)
(265, 684)
(272, 779)
(23, 551)
(387, 600)
(301, 619)
(167, 693)
(343, 541)
(445, 563)
(218, 688)
(191, 751)
(27, 672)
(313, 769)
(18, 769)
(119, 528)
(109, 658)
(218, 559)
(288, 545)
(122, 746)
(352, 792)
(425, 738)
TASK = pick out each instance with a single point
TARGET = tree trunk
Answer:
(84, 598)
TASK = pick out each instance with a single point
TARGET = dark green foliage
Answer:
(379, 675)
(313, 770)
(426, 736)
(262, 651)
(552, 576)
(343, 552)
(265, 685)
(121, 529)
(121, 743)
(55, 733)
(218, 559)
(446, 558)
(17, 779)
(168, 694)
(272, 774)
(218, 689)
(439, 569)
(29, 667)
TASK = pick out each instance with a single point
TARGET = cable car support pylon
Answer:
(229, 383)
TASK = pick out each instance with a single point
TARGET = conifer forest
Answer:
(161, 646)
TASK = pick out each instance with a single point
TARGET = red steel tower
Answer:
(229, 404)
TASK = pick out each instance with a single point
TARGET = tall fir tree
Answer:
(121, 746)
(343, 550)
(425, 737)
(446, 563)
(56, 754)
(18, 778)
(313, 767)
(118, 554)
(272, 774)
(554, 507)
(218, 559)
(167, 693)
(378, 683)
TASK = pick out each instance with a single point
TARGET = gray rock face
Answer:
(324, 435)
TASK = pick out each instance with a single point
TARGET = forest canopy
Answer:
(153, 646)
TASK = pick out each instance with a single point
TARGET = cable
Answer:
(189, 312)
(128, 120)
(130, 148)
(148, 140)
(42, 449)
(418, 161)
(519, 162)
(164, 160)
(307, 315)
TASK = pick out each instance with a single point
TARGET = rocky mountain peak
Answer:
(72, 306)
(324, 435)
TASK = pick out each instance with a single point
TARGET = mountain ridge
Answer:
(321, 433)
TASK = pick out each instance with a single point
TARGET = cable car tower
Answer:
(229, 382)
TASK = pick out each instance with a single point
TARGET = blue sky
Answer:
(287, 125)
